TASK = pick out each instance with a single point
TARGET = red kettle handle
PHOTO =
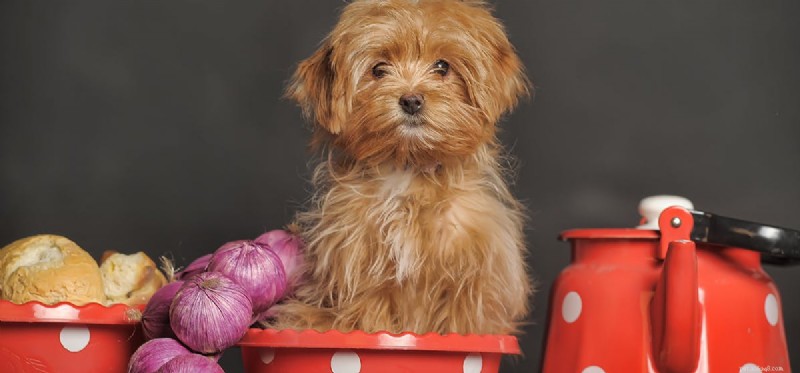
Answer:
(675, 311)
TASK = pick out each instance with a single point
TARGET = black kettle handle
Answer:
(777, 245)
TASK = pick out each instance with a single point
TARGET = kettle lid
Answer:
(650, 208)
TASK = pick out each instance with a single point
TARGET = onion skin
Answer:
(154, 353)
(288, 246)
(256, 268)
(191, 364)
(199, 265)
(210, 312)
(155, 318)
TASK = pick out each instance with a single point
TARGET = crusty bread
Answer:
(130, 279)
(49, 269)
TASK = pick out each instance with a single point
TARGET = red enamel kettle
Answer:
(683, 292)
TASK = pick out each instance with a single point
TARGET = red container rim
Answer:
(610, 233)
(91, 313)
(503, 344)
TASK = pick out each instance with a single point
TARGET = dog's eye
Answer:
(379, 70)
(441, 67)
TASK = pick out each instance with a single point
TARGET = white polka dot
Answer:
(571, 308)
(593, 369)
(473, 363)
(74, 338)
(345, 362)
(267, 355)
(771, 309)
(749, 368)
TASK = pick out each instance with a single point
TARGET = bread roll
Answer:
(130, 279)
(49, 269)
(3, 252)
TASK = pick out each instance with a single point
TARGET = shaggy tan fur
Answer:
(412, 226)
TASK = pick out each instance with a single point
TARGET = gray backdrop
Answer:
(159, 125)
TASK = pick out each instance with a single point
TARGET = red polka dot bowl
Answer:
(65, 338)
(273, 351)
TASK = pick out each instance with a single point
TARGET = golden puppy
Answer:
(412, 226)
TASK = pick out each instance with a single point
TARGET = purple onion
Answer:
(210, 312)
(288, 247)
(155, 318)
(197, 266)
(254, 267)
(192, 363)
(154, 353)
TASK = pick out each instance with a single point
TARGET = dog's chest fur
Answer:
(399, 222)
(406, 244)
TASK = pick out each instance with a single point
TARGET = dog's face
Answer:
(411, 82)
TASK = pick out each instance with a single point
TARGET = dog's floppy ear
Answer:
(511, 80)
(312, 86)
(496, 79)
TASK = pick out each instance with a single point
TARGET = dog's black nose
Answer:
(411, 103)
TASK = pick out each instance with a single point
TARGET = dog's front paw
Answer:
(294, 314)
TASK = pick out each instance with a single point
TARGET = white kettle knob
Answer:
(651, 207)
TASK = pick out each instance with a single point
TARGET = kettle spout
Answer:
(675, 311)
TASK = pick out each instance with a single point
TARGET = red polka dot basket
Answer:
(65, 338)
(272, 351)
